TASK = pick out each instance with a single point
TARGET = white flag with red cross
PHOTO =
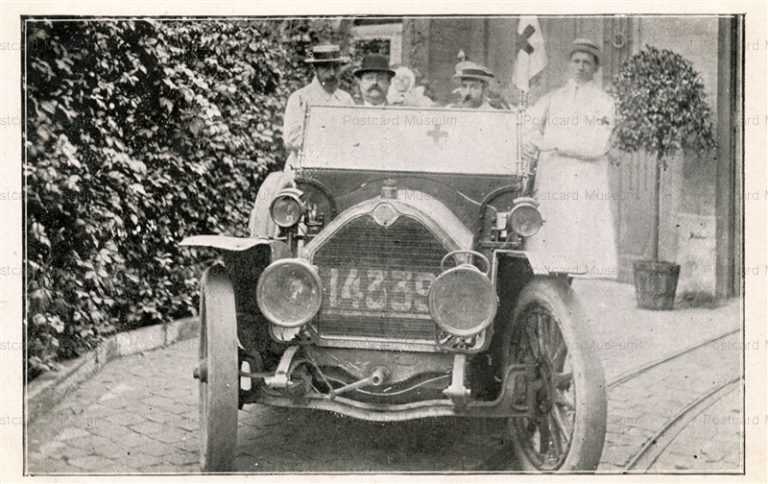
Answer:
(531, 54)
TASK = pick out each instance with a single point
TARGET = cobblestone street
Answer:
(711, 443)
(139, 414)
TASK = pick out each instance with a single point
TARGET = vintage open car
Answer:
(386, 279)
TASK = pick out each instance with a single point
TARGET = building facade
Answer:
(701, 202)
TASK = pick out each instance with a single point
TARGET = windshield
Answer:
(412, 140)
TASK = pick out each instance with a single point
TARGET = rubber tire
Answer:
(260, 223)
(219, 394)
(588, 436)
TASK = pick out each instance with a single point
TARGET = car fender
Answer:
(534, 262)
(278, 249)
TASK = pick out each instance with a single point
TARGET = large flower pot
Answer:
(655, 284)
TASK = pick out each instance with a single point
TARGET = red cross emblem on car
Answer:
(436, 134)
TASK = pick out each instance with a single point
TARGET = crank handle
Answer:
(379, 376)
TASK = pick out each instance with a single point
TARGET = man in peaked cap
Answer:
(586, 46)
(327, 61)
(570, 130)
(373, 77)
(473, 81)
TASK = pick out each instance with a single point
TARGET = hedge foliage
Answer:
(139, 133)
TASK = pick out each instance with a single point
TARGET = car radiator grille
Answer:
(375, 280)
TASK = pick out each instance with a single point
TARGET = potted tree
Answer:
(662, 109)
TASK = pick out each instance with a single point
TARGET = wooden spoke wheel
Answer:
(567, 429)
(217, 372)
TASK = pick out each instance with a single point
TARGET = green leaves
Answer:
(661, 105)
(140, 133)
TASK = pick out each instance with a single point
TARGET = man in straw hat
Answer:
(373, 78)
(473, 81)
(570, 129)
(327, 61)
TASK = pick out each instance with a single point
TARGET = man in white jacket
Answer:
(323, 90)
(570, 129)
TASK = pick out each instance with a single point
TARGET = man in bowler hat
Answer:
(373, 78)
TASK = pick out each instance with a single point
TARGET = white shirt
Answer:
(573, 125)
(295, 108)
(577, 119)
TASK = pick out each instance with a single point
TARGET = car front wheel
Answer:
(217, 372)
(567, 427)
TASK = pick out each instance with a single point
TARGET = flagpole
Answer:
(531, 59)
(522, 108)
(527, 84)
